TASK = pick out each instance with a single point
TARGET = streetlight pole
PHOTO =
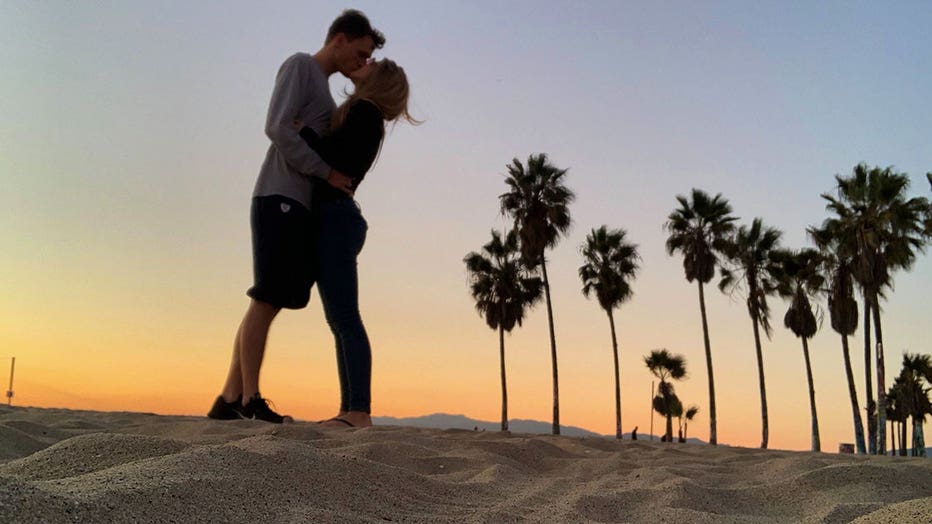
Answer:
(651, 410)
(9, 392)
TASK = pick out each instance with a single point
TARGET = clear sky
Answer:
(131, 134)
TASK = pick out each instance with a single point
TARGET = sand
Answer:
(82, 466)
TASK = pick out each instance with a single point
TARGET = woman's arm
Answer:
(352, 148)
(356, 144)
(311, 137)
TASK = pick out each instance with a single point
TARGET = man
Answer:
(280, 217)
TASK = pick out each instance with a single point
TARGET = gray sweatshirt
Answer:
(301, 92)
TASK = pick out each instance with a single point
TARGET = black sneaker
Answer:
(223, 410)
(258, 409)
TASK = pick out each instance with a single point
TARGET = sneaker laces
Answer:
(267, 404)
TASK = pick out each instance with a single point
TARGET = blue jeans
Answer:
(340, 234)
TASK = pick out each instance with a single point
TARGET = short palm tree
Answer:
(896, 416)
(915, 376)
(699, 229)
(886, 229)
(666, 367)
(610, 264)
(802, 280)
(843, 310)
(750, 265)
(503, 290)
(690, 414)
(668, 406)
(538, 201)
(676, 411)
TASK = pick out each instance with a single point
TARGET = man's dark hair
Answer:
(354, 24)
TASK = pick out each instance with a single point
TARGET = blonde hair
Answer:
(386, 87)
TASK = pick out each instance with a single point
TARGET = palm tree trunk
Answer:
(868, 390)
(892, 438)
(816, 443)
(855, 412)
(553, 350)
(501, 352)
(669, 435)
(611, 321)
(903, 436)
(713, 433)
(763, 390)
(881, 380)
(919, 440)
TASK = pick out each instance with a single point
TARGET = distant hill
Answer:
(446, 421)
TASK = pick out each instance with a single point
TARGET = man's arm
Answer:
(284, 106)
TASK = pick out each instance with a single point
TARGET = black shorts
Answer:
(282, 252)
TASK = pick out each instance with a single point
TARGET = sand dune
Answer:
(66, 466)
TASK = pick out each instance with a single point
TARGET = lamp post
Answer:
(651, 410)
(9, 392)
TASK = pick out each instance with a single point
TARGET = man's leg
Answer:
(252, 336)
(226, 406)
(281, 228)
(233, 388)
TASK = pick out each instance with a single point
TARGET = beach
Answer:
(60, 465)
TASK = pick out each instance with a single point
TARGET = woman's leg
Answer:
(341, 234)
(344, 378)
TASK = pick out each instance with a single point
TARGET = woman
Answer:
(351, 146)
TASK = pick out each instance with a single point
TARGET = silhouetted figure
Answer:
(634, 433)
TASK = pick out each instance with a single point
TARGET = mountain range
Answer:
(447, 421)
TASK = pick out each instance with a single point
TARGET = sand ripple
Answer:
(63, 466)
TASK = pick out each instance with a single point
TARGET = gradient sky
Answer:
(132, 134)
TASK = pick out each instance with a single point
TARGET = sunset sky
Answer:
(131, 134)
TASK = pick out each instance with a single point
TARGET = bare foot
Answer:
(349, 419)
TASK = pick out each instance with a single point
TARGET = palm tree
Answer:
(698, 229)
(895, 415)
(928, 217)
(538, 202)
(504, 291)
(676, 410)
(690, 413)
(916, 375)
(843, 310)
(750, 263)
(886, 229)
(666, 366)
(801, 281)
(610, 264)
(665, 403)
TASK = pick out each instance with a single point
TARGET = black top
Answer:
(351, 149)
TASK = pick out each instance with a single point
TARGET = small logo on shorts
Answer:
(285, 208)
